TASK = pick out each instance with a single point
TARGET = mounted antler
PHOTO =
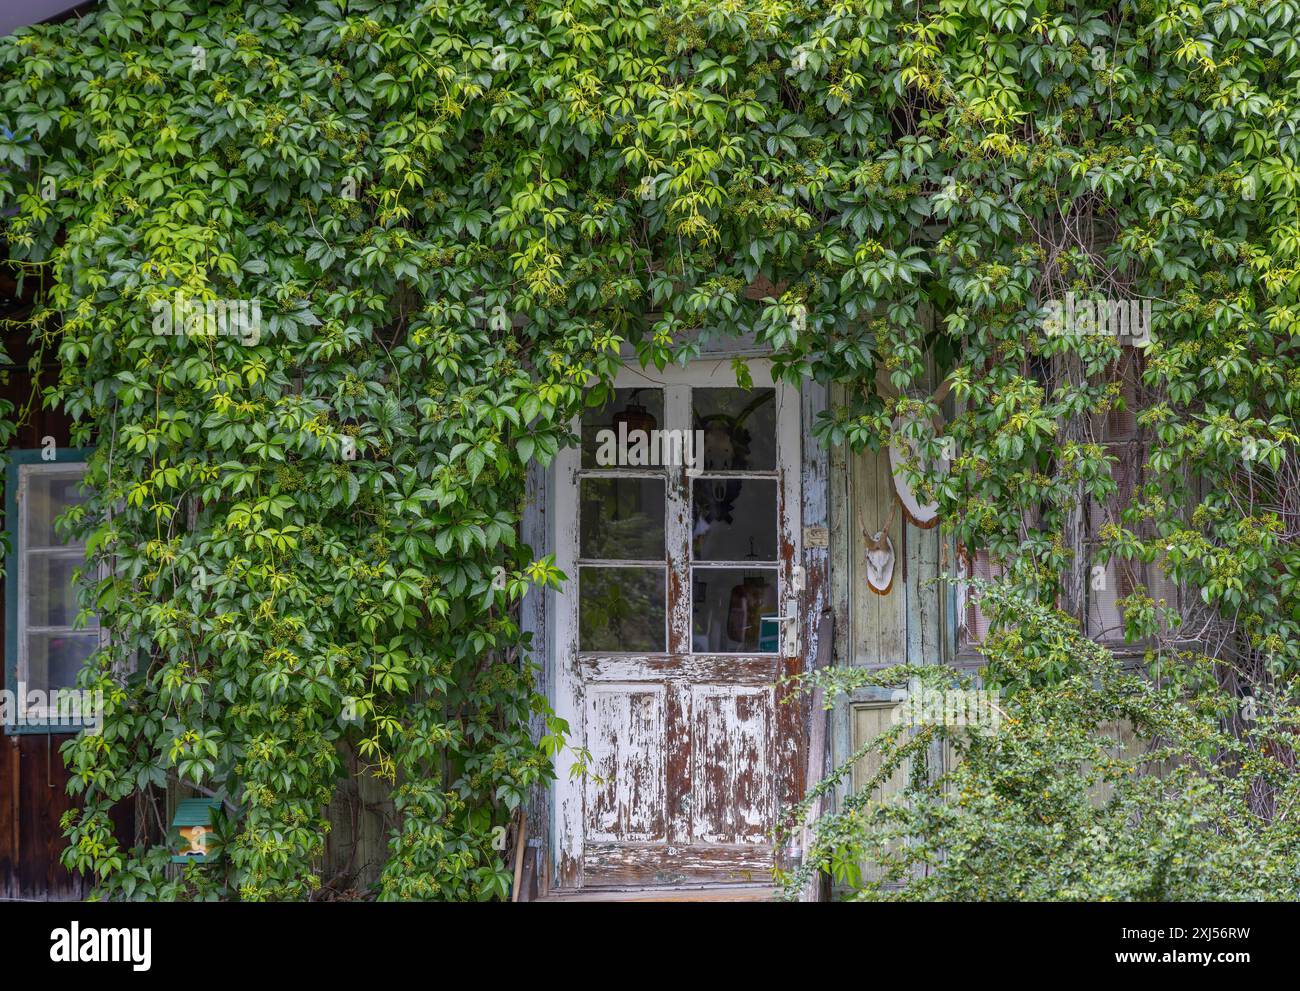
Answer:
(880, 562)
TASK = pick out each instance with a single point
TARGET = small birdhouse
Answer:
(193, 820)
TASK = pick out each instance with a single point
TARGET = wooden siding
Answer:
(904, 626)
(361, 817)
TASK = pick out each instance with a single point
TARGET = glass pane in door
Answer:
(739, 428)
(622, 610)
(734, 610)
(622, 519)
(610, 434)
(734, 519)
(48, 495)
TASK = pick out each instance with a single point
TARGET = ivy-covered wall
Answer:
(451, 215)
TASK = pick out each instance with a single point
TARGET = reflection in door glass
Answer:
(622, 610)
(622, 519)
(733, 519)
(630, 412)
(739, 428)
(733, 610)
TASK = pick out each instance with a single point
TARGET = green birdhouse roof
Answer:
(194, 812)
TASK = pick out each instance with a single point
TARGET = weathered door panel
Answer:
(732, 780)
(625, 792)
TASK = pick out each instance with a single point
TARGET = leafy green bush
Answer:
(1049, 802)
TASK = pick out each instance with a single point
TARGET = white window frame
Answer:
(24, 466)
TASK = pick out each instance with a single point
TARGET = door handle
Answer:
(789, 635)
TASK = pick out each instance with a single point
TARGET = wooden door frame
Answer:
(550, 525)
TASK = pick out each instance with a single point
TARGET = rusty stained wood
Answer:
(567, 690)
(732, 781)
(625, 791)
(677, 740)
(791, 713)
(809, 719)
(842, 591)
(673, 893)
(689, 669)
(637, 864)
(818, 737)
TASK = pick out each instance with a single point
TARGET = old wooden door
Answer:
(677, 521)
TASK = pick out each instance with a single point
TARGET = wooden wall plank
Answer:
(906, 625)
(844, 520)
(356, 848)
(44, 799)
(566, 861)
(923, 619)
(879, 622)
(639, 865)
(9, 809)
(680, 727)
(869, 721)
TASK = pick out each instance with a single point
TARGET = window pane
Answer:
(739, 428)
(54, 659)
(976, 627)
(1105, 589)
(733, 519)
(48, 494)
(622, 609)
(733, 610)
(636, 411)
(51, 595)
(622, 518)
